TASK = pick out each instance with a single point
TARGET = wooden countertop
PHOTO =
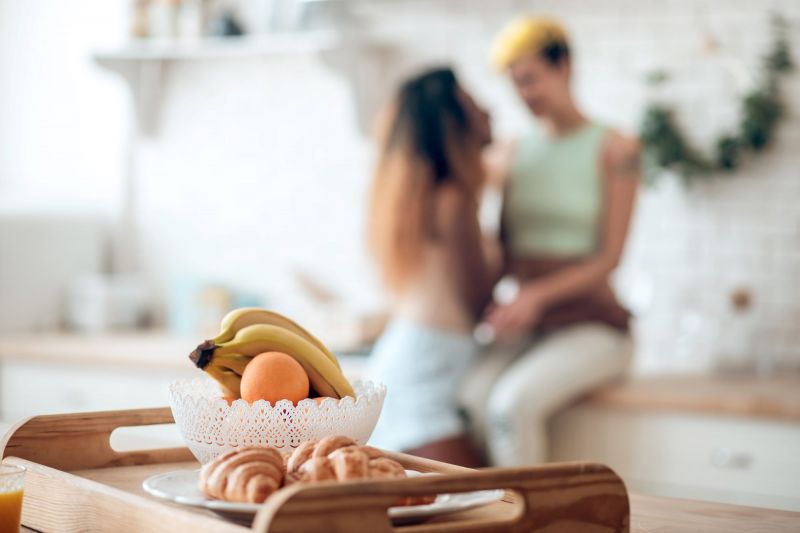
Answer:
(775, 397)
(651, 514)
(153, 350)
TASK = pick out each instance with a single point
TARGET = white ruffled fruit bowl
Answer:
(210, 426)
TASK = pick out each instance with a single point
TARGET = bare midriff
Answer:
(433, 299)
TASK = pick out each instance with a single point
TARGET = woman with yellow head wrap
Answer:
(529, 36)
(569, 189)
(535, 52)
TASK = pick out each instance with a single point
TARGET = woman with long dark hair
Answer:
(425, 236)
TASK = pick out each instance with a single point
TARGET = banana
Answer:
(228, 380)
(239, 319)
(325, 377)
(226, 362)
(232, 361)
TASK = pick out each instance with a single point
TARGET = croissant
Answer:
(339, 458)
(249, 475)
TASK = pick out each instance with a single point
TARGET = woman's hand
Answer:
(518, 317)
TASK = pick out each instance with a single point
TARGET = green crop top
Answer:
(554, 194)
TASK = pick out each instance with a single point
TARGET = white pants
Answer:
(512, 391)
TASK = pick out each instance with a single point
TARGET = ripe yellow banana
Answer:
(325, 377)
(228, 380)
(232, 361)
(232, 356)
(239, 319)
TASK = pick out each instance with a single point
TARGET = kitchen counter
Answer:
(651, 514)
(667, 515)
(775, 397)
(63, 372)
(152, 350)
(723, 438)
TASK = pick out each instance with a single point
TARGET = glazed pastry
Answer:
(385, 468)
(349, 463)
(329, 444)
(340, 458)
(315, 469)
(300, 455)
(249, 475)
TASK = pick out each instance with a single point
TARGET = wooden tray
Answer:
(77, 482)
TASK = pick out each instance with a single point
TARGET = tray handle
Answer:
(575, 497)
(82, 440)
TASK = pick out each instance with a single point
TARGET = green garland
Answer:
(665, 146)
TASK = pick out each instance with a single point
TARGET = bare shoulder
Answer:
(621, 147)
(622, 154)
(501, 149)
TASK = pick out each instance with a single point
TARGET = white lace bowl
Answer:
(210, 426)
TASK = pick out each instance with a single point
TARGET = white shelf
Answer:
(143, 63)
(220, 47)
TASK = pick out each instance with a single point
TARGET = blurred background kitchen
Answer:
(164, 161)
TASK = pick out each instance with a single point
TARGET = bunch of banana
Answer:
(249, 331)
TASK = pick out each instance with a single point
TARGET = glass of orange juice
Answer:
(11, 483)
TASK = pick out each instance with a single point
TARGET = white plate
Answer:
(180, 486)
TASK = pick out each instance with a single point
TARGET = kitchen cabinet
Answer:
(732, 441)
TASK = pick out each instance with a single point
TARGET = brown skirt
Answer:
(601, 305)
(586, 309)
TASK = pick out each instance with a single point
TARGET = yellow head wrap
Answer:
(523, 36)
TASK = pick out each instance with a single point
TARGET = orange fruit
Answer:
(274, 376)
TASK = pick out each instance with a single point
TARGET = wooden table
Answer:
(666, 515)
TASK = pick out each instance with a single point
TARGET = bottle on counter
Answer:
(163, 18)
(140, 24)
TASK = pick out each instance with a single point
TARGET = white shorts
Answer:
(422, 367)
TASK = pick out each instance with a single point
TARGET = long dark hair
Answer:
(429, 110)
(426, 140)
